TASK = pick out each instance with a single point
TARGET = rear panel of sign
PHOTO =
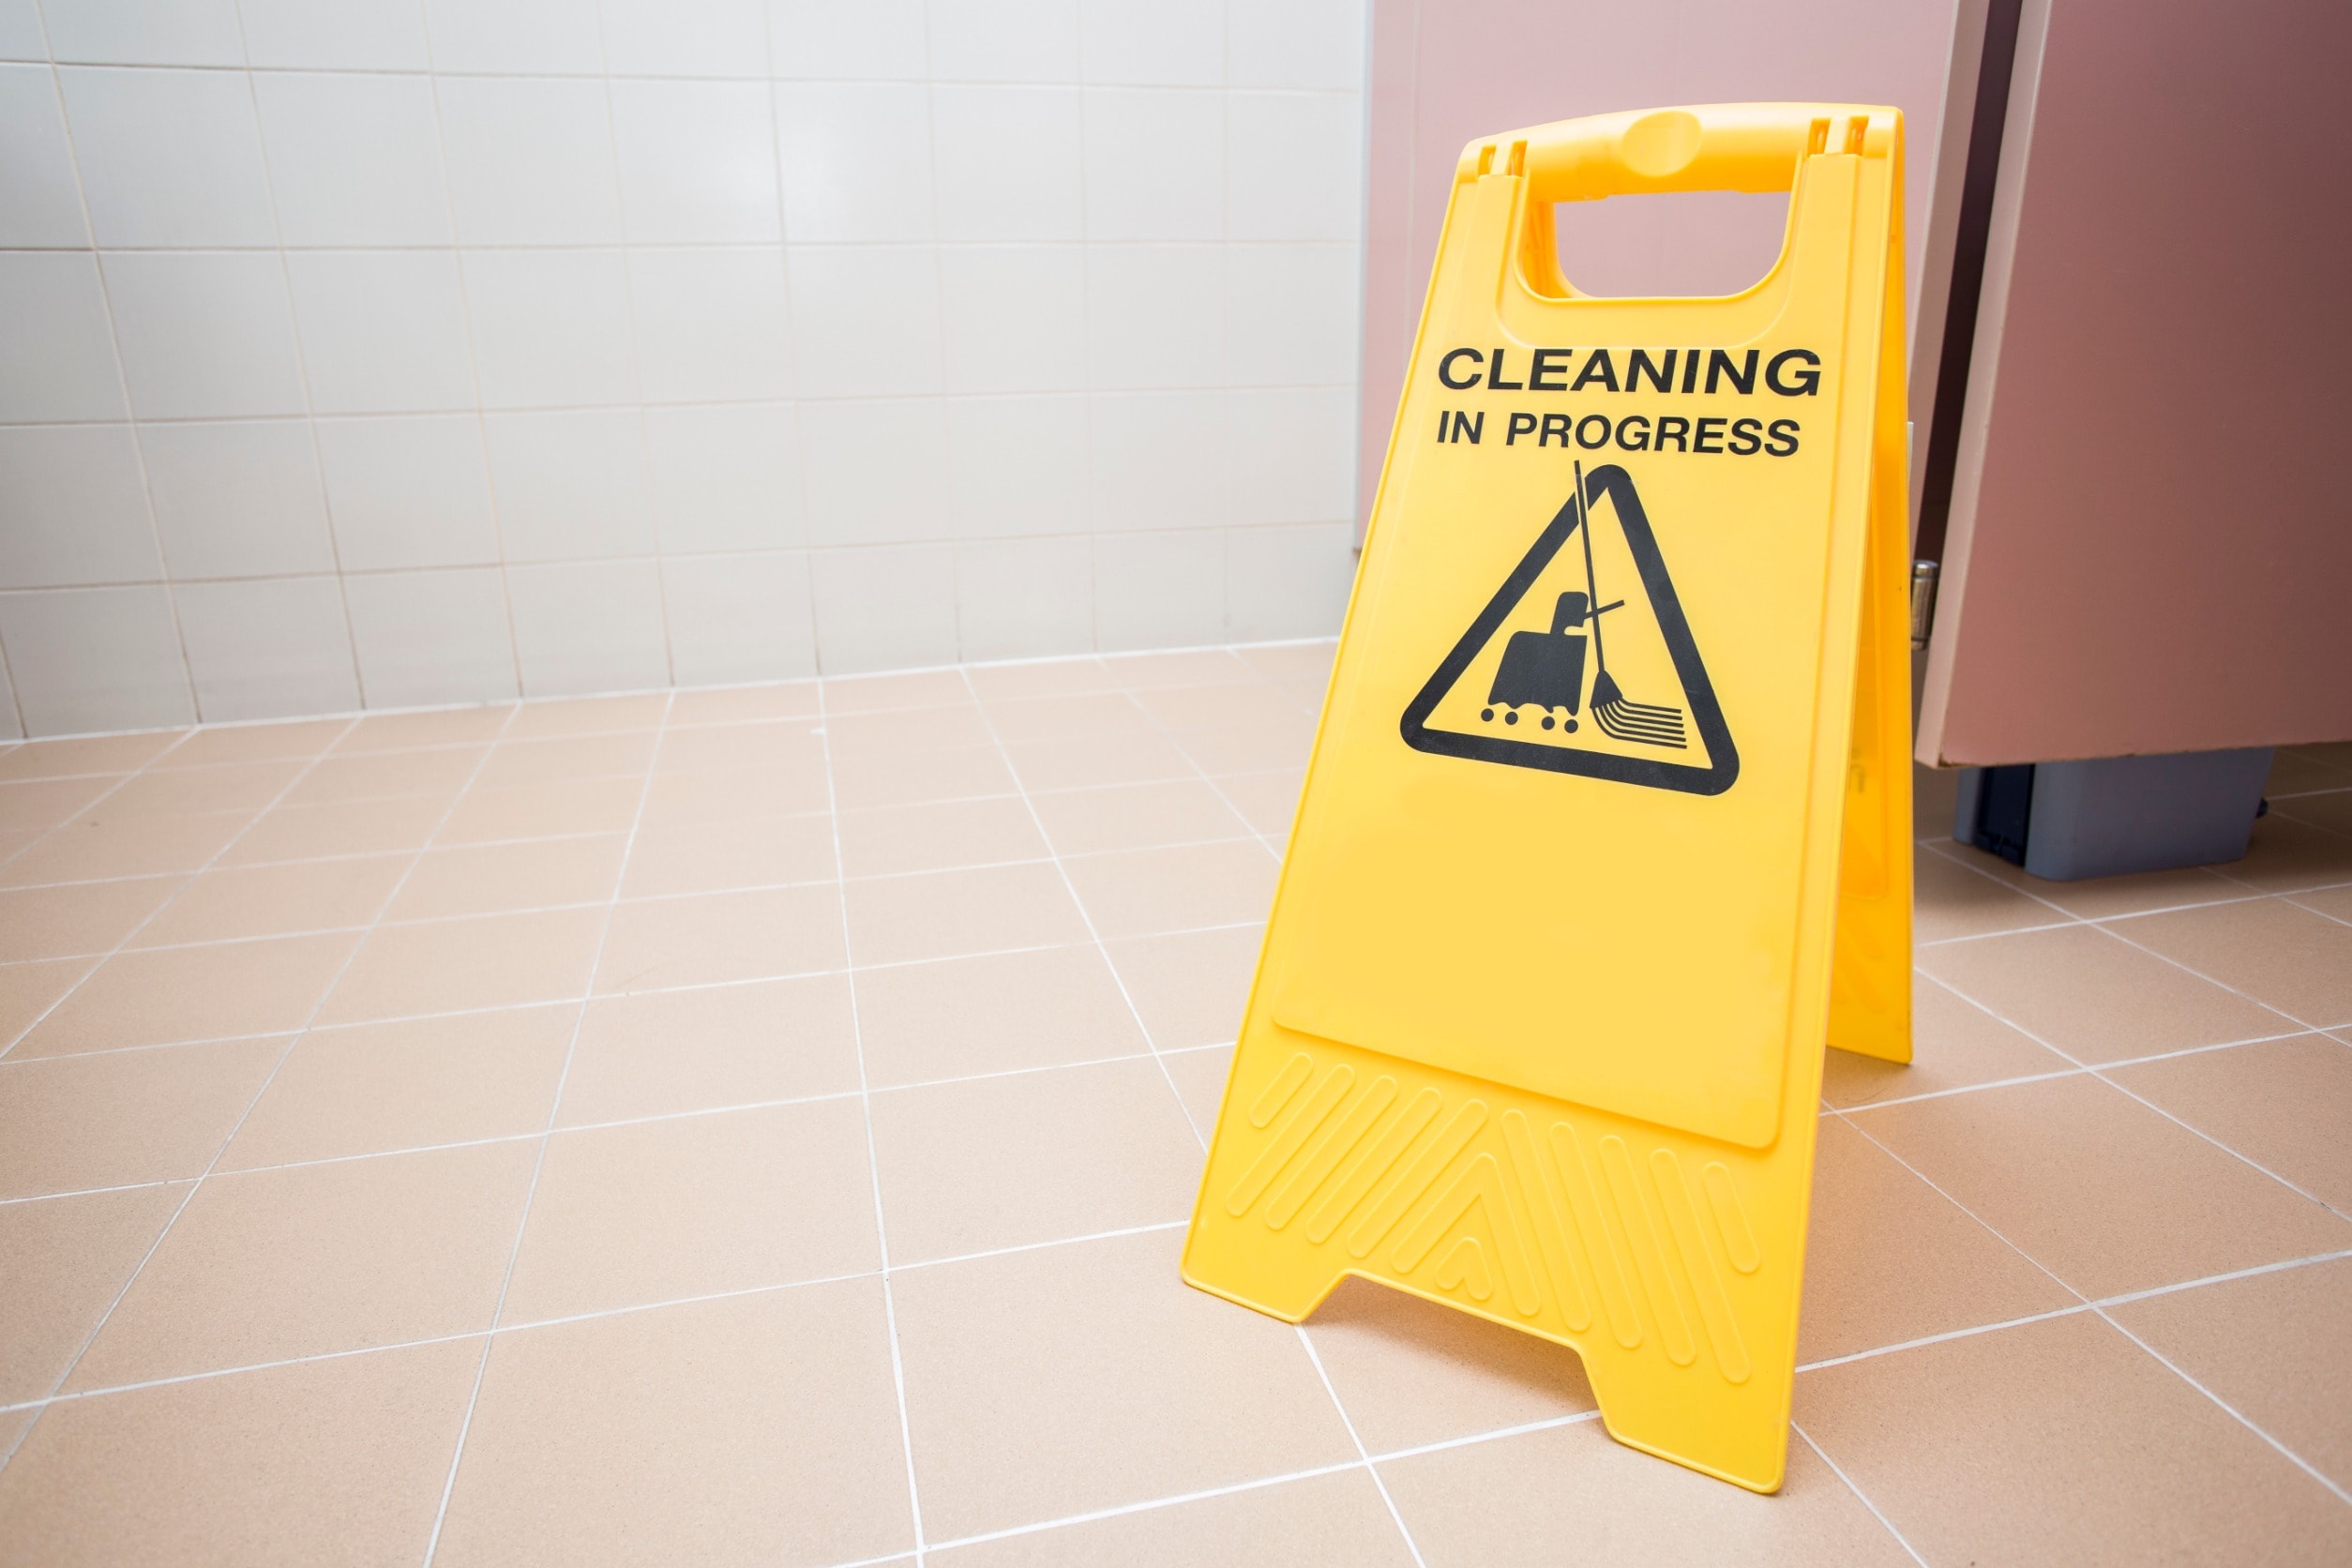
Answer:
(1537, 1027)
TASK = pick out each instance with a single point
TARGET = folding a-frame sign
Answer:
(1608, 825)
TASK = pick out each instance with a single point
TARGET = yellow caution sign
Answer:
(1608, 827)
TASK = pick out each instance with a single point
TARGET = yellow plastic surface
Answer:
(1607, 830)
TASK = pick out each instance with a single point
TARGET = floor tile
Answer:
(1149, 892)
(717, 937)
(238, 901)
(29, 990)
(517, 762)
(267, 1265)
(63, 1260)
(695, 1205)
(212, 992)
(438, 727)
(2096, 998)
(1292, 661)
(73, 1123)
(1323, 1521)
(2098, 1188)
(1950, 897)
(1054, 677)
(195, 792)
(102, 845)
(1103, 711)
(78, 917)
(2106, 898)
(743, 705)
(759, 851)
(920, 688)
(1572, 1496)
(2272, 1346)
(944, 914)
(673, 1051)
(1412, 1372)
(1268, 801)
(491, 878)
(792, 745)
(1083, 762)
(1889, 1260)
(1185, 667)
(2284, 1103)
(1199, 1073)
(1955, 1044)
(2291, 959)
(2295, 769)
(1123, 1384)
(939, 837)
(39, 804)
(955, 1017)
(1181, 708)
(1190, 987)
(2331, 810)
(1137, 817)
(588, 716)
(698, 796)
(763, 1429)
(440, 773)
(1222, 748)
(448, 966)
(2286, 855)
(1027, 1157)
(356, 827)
(544, 810)
(337, 1461)
(866, 780)
(2062, 1441)
(905, 732)
(84, 754)
(369, 1089)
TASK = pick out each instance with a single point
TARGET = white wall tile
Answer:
(1155, 315)
(1016, 465)
(725, 477)
(38, 202)
(412, 491)
(697, 161)
(686, 38)
(874, 471)
(1296, 43)
(1023, 599)
(1004, 40)
(74, 508)
(866, 320)
(427, 637)
(334, 35)
(1159, 42)
(94, 658)
(238, 498)
(383, 331)
(1158, 461)
(711, 324)
(1288, 582)
(857, 160)
(875, 39)
(1006, 163)
(354, 159)
(550, 327)
(204, 334)
(887, 608)
(1154, 165)
(1159, 589)
(530, 160)
(1294, 454)
(268, 650)
(169, 157)
(515, 36)
(146, 31)
(1292, 314)
(589, 626)
(1014, 317)
(56, 352)
(571, 485)
(21, 31)
(1292, 167)
(740, 618)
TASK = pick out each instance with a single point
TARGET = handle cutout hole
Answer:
(1683, 243)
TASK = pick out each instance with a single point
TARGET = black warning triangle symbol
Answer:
(1605, 685)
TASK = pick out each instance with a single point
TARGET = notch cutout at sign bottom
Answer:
(1583, 662)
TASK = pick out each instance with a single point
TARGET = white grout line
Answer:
(1876, 1511)
(546, 1138)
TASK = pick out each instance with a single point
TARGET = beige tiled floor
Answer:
(615, 1131)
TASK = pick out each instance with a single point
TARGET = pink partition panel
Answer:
(1447, 71)
(2155, 553)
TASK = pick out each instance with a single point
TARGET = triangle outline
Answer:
(1673, 626)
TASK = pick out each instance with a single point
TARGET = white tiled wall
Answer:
(402, 351)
